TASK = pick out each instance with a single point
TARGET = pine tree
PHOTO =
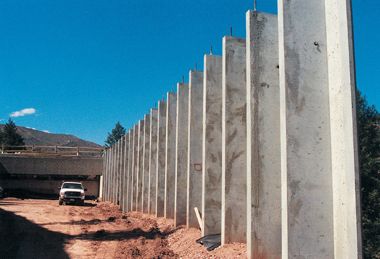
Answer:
(9, 135)
(368, 119)
(115, 134)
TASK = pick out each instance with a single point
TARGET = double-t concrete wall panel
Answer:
(320, 187)
(145, 177)
(263, 137)
(180, 197)
(170, 155)
(212, 145)
(124, 186)
(160, 170)
(152, 161)
(134, 168)
(139, 174)
(194, 153)
(234, 141)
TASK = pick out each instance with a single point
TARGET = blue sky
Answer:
(83, 65)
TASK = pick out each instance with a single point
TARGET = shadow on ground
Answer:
(21, 238)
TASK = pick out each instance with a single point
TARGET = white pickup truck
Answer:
(71, 192)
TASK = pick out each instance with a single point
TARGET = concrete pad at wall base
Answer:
(139, 177)
(194, 153)
(145, 177)
(319, 163)
(171, 113)
(160, 170)
(181, 154)
(135, 167)
(212, 145)
(152, 161)
(234, 141)
(263, 137)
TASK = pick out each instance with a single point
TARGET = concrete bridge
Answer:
(42, 170)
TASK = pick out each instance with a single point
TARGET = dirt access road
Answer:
(33, 228)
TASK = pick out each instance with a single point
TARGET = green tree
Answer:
(9, 135)
(115, 134)
(368, 119)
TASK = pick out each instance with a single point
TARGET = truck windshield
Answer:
(72, 186)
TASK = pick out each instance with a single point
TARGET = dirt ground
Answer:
(36, 228)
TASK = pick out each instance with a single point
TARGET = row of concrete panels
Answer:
(262, 142)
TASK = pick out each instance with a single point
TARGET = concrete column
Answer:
(145, 177)
(180, 198)
(134, 167)
(152, 161)
(194, 150)
(171, 113)
(319, 165)
(140, 168)
(160, 170)
(212, 145)
(234, 143)
(263, 137)
(124, 188)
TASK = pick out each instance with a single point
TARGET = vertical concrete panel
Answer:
(126, 173)
(140, 165)
(113, 189)
(105, 175)
(129, 169)
(135, 167)
(171, 114)
(109, 174)
(120, 171)
(152, 161)
(344, 149)
(105, 181)
(145, 178)
(212, 145)
(160, 170)
(263, 138)
(234, 141)
(317, 132)
(181, 154)
(124, 189)
(194, 153)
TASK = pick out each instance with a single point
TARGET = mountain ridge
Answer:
(42, 138)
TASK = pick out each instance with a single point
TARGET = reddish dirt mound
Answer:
(43, 229)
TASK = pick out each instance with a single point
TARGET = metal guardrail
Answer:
(35, 150)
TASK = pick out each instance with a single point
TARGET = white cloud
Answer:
(46, 131)
(23, 112)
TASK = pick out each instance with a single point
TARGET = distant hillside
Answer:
(37, 137)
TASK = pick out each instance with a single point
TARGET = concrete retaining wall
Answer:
(263, 142)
